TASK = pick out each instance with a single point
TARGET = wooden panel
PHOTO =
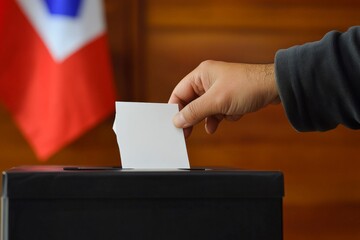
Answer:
(123, 30)
(328, 222)
(253, 15)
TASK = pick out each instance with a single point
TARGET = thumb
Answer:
(194, 112)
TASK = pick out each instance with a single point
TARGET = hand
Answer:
(218, 90)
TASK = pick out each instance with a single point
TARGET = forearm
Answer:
(319, 83)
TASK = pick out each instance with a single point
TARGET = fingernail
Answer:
(179, 121)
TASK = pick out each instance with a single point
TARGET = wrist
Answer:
(270, 81)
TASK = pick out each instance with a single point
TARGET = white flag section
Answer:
(65, 30)
(147, 138)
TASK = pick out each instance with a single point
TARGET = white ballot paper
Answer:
(147, 137)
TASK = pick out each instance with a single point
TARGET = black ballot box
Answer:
(56, 202)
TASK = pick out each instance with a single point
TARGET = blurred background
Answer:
(154, 43)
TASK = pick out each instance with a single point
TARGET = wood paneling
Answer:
(251, 15)
(327, 222)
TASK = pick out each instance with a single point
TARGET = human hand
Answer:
(219, 90)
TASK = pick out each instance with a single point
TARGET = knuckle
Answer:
(207, 64)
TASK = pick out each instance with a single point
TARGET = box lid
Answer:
(50, 182)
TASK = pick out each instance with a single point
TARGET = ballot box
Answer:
(65, 203)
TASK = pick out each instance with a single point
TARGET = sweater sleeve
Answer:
(319, 82)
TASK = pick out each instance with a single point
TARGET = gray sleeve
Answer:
(319, 82)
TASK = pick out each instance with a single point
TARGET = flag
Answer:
(55, 75)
